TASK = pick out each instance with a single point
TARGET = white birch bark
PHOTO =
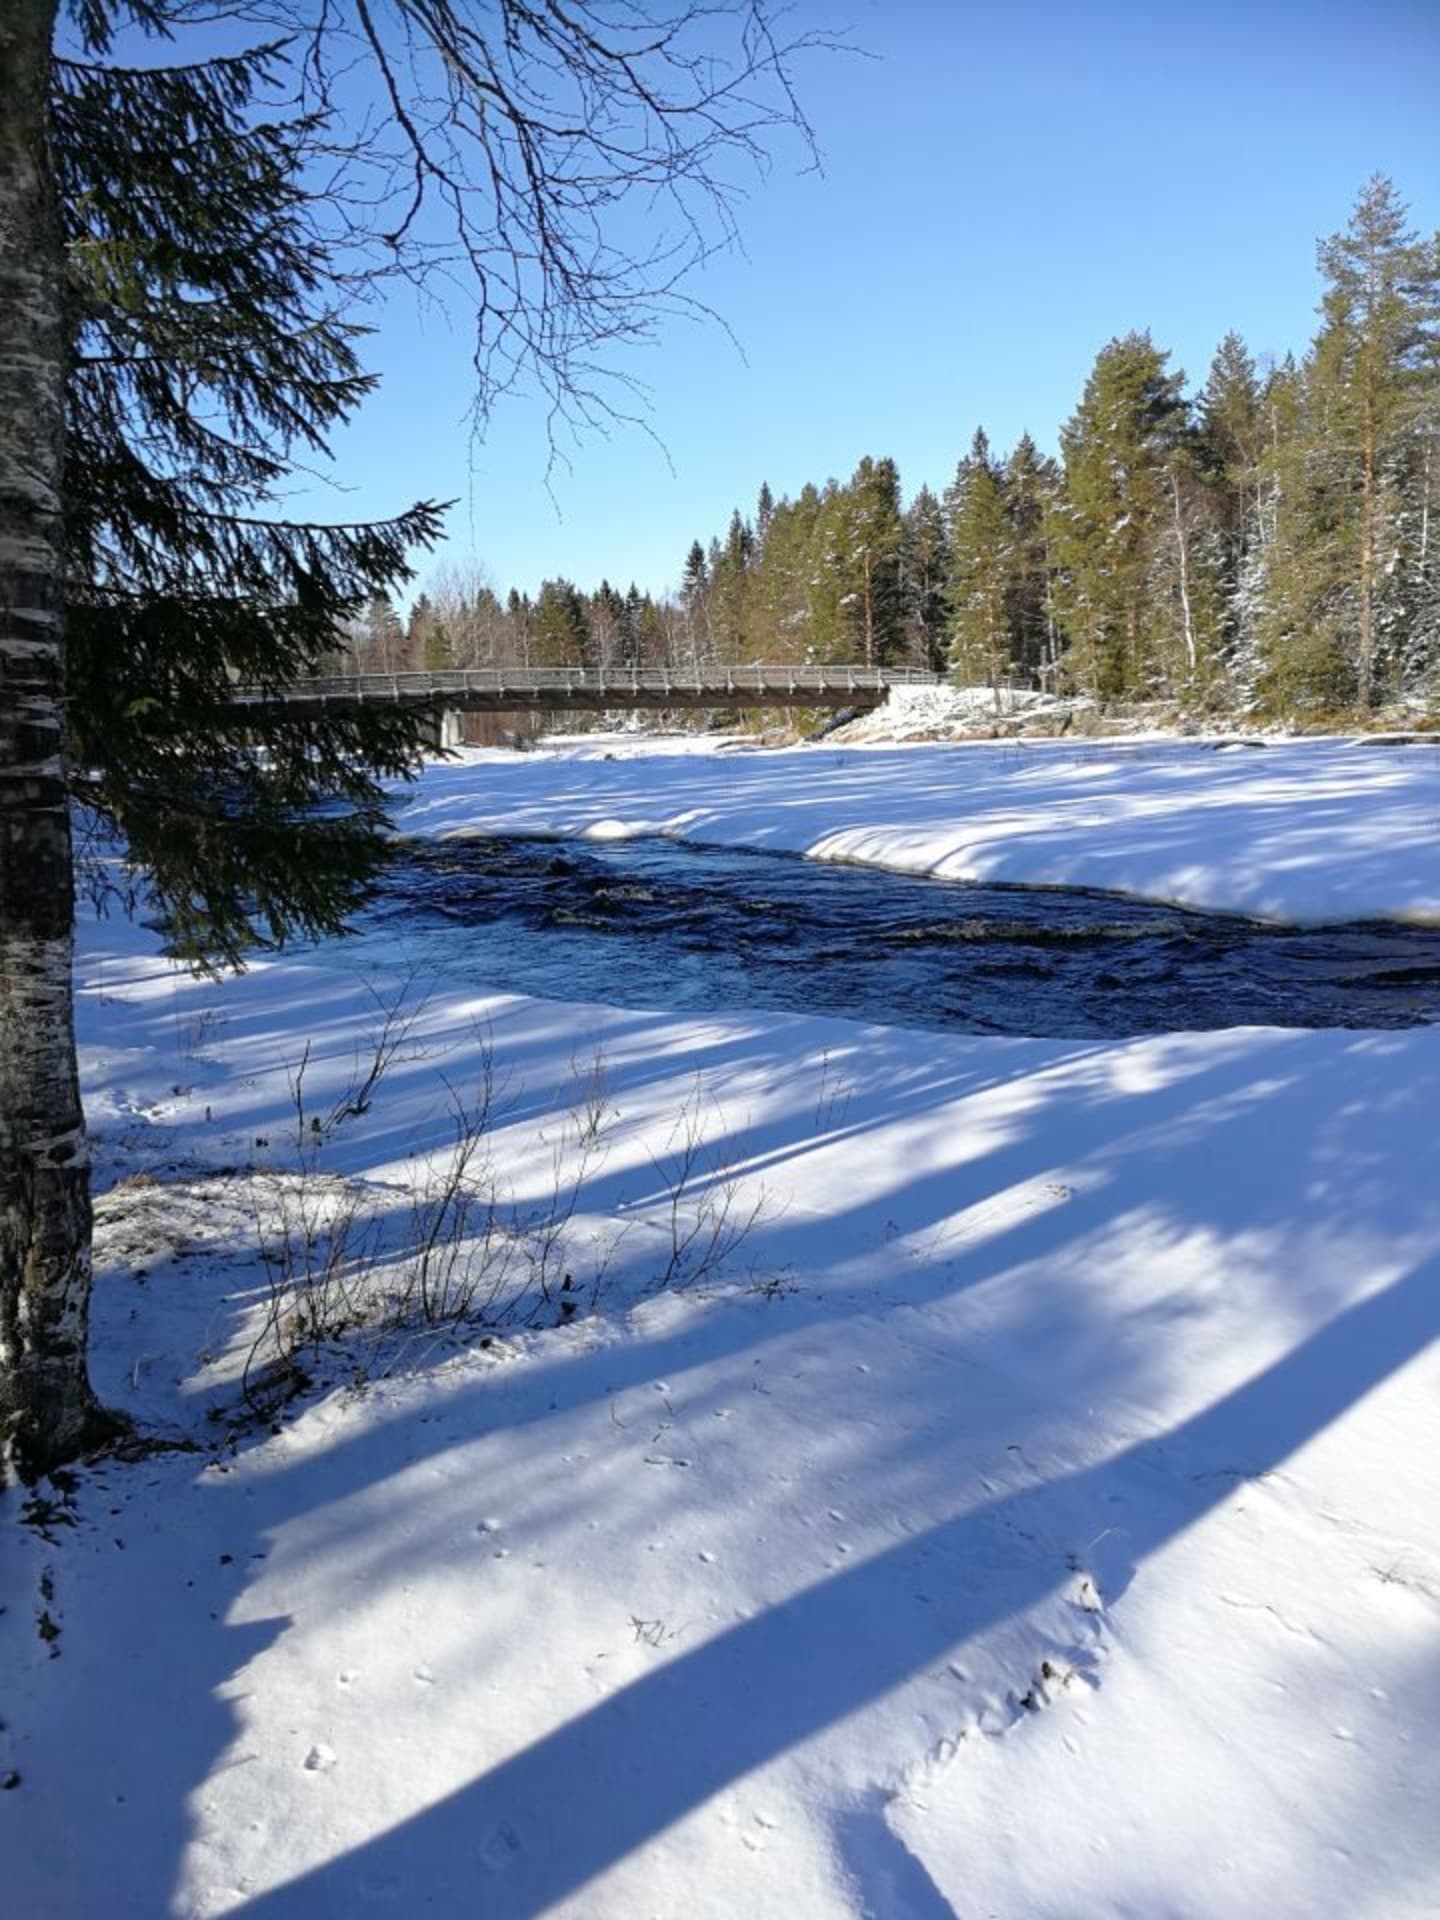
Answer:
(1183, 545)
(46, 1410)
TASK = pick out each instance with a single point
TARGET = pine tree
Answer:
(982, 564)
(1373, 401)
(1345, 586)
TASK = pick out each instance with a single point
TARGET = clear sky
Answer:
(1006, 187)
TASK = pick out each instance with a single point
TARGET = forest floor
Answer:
(905, 1475)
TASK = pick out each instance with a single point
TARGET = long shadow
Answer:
(671, 1740)
(916, 1206)
(712, 1715)
(891, 1882)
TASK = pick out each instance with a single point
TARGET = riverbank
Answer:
(1301, 831)
(1031, 1514)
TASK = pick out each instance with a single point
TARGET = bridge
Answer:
(583, 689)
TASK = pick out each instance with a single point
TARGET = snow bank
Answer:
(915, 713)
(1301, 831)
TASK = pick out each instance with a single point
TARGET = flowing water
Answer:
(657, 923)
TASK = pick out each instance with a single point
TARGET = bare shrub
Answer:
(706, 1217)
(456, 1251)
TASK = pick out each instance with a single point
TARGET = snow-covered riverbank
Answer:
(1299, 831)
(1036, 1517)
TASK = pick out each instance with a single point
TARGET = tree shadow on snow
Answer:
(536, 1828)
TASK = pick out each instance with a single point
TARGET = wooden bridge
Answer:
(586, 689)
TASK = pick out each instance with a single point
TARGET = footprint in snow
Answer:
(500, 1848)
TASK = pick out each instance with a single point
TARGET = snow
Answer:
(942, 710)
(1301, 831)
(1035, 1517)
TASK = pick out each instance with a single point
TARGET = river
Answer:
(659, 923)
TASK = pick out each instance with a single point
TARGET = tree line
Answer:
(1266, 544)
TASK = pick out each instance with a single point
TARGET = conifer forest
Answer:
(1262, 542)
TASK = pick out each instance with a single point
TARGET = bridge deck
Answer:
(590, 689)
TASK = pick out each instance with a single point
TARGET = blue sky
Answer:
(1005, 188)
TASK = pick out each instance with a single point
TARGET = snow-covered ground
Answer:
(1034, 1518)
(1302, 831)
(948, 712)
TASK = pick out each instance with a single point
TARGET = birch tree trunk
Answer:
(46, 1410)
(1182, 543)
(1366, 663)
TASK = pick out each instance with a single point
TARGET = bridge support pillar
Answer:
(442, 727)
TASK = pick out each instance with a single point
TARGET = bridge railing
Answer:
(569, 681)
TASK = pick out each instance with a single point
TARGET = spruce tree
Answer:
(520, 614)
(780, 585)
(695, 599)
(982, 565)
(631, 652)
(877, 536)
(605, 617)
(559, 630)
(1230, 451)
(1299, 656)
(729, 569)
(924, 568)
(1187, 583)
(1032, 487)
(764, 513)
(828, 518)
(206, 353)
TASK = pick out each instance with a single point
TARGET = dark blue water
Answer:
(655, 923)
